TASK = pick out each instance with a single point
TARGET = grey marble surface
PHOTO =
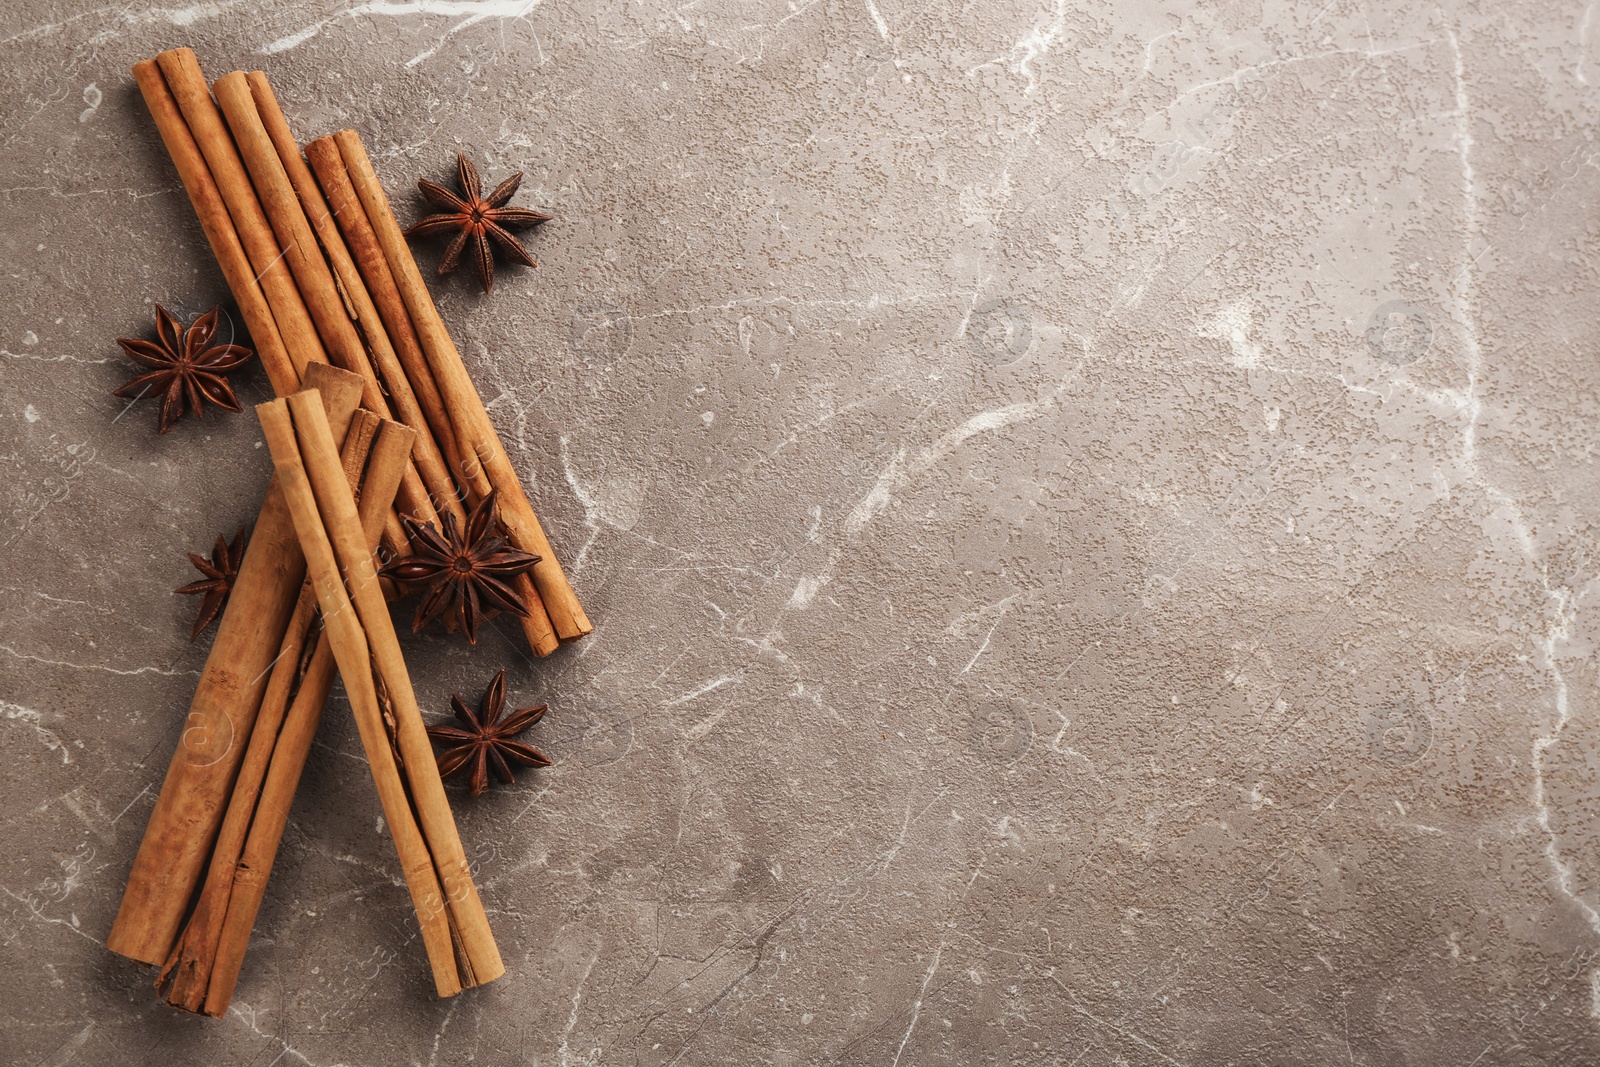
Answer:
(1089, 511)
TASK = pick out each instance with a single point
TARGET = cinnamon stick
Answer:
(189, 966)
(189, 810)
(475, 432)
(427, 456)
(480, 957)
(248, 877)
(218, 226)
(329, 164)
(483, 461)
(189, 89)
(351, 649)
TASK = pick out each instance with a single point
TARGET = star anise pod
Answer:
(478, 219)
(487, 739)
(220, 571)
(467, 574)
(183, 367)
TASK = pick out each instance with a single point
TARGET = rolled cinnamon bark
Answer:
(482, 455)
(426, 454)
(189, 967)
(352, 651)
(189, 811)
(218, 226)
(189, 89)
(480, 957)
(390, 451)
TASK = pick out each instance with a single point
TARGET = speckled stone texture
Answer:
(1089, 511)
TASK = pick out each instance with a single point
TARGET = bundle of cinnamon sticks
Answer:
(201, 968)
(341, 319)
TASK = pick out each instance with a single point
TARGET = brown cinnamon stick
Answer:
(190, 808)
(248, 877)
(304, 257)
(427, 456)
(189, 966)
(329, 164)
(189, 89)
(333, 514)
(481, 958)
(218, 226)
(475, 432)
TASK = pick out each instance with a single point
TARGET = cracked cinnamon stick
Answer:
(455, 930)
(190, 808)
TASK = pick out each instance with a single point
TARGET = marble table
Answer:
(1089, 511)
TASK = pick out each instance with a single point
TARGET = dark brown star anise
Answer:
(220, 571)
(487, 740)
(478, 219)
(183, 367)
(468, 574)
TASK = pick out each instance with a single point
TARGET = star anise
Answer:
(220, 571)
(184, 367)
(487, 740)
(466, 574)
(478, 219)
